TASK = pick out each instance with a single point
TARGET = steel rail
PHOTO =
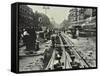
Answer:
(51, 61)
(65, 58)
(83, 61)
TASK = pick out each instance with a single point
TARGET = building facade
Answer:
(26, 16)
(84, 18)
(80, 15)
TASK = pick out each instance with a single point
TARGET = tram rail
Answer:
(80, 58)
(67, 48)
(65, 58)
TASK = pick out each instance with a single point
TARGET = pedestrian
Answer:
(32, 39)
(26, 39)
(53, 38)
(74, 63)
(77, 33)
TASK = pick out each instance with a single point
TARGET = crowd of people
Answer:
(29, 38)
(32, 38)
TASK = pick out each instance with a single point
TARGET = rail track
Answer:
(64, 61)
(81, 59)
(66, 47)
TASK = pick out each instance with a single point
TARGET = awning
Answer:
(90, 30)
(92, 25)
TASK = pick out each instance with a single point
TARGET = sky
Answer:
(58, 14)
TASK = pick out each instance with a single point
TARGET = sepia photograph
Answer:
(56, 37)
